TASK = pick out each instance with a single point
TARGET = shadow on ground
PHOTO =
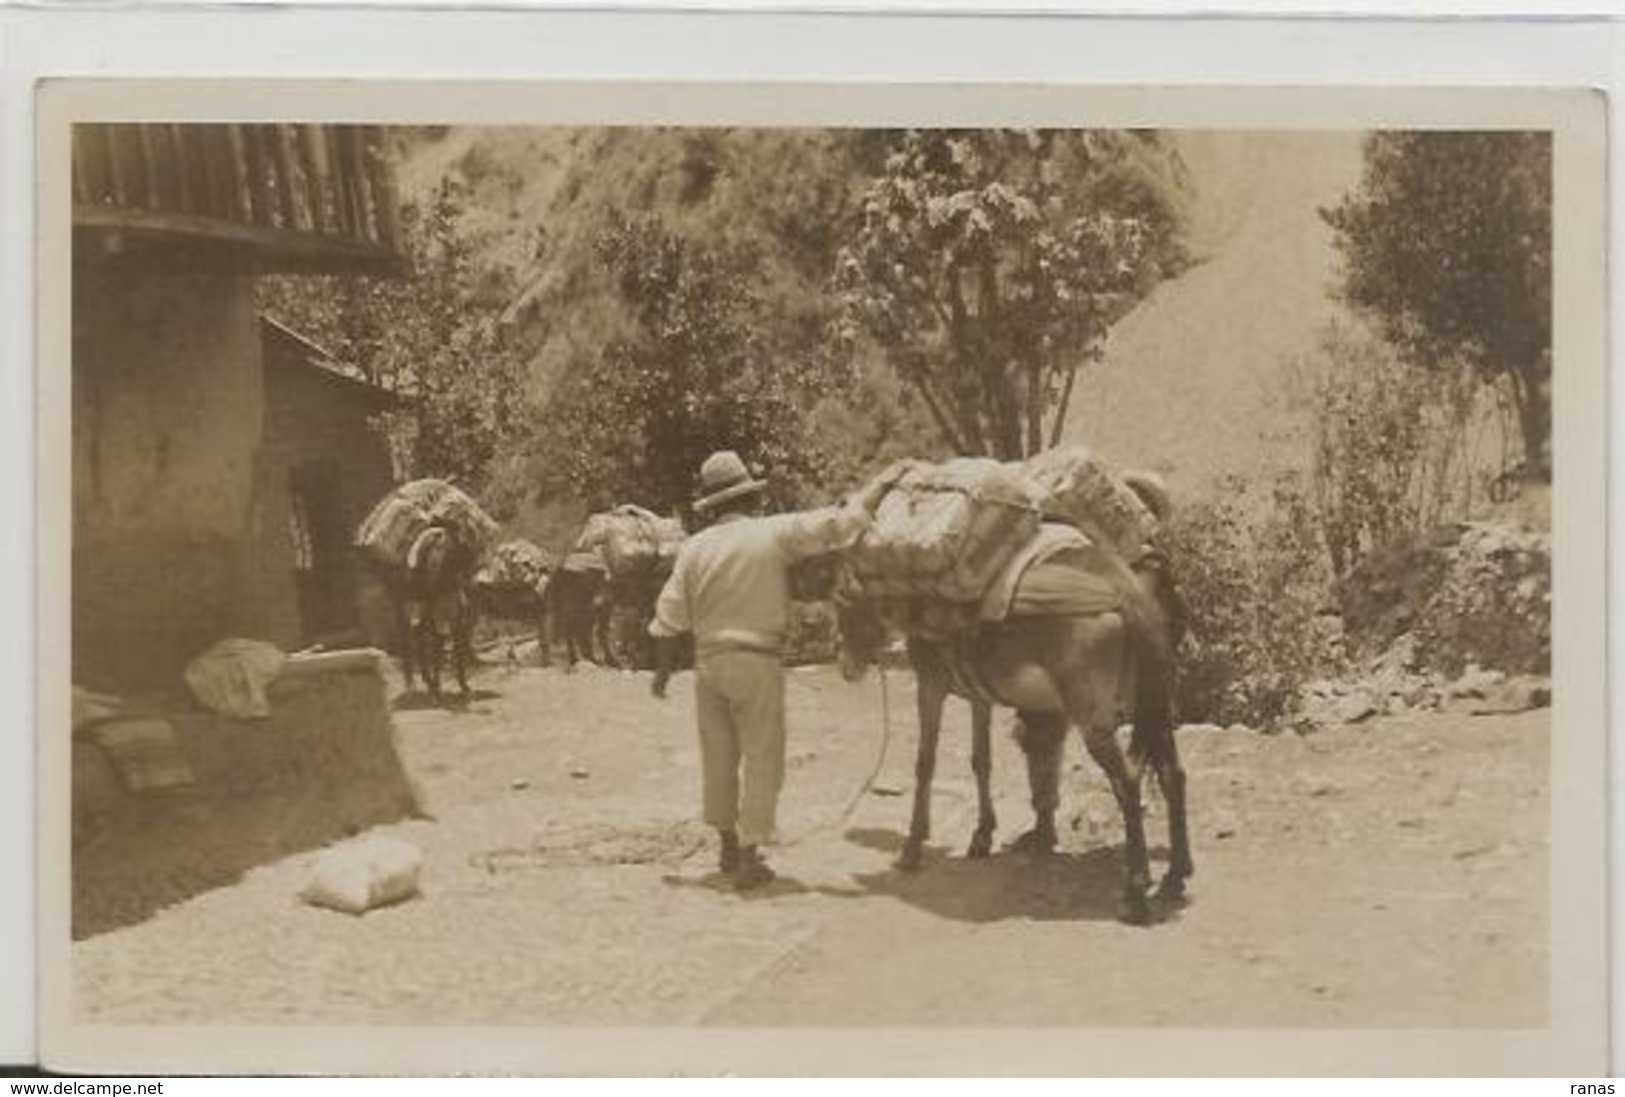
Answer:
(451, 701)
(1010, 884)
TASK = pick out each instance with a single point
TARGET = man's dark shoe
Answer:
(728, 859)
(752, 871)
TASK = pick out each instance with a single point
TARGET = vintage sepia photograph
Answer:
(857, 576)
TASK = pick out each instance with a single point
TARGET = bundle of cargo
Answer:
(1115, 510)
(941, 536)
(632, 541)
(388, 533)
(516, 565)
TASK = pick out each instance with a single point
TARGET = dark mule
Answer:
(515, 585)
(578, 600)
(1082, 669)
(520, 602)
(629, 611)
(434, 607)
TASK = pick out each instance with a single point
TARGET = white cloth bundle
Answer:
(365, 874)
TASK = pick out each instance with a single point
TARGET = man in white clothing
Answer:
(730, 588)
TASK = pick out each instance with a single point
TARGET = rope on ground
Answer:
(868, 782)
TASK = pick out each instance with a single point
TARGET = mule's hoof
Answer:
(1034, 841)
(1171, 892)
(1135, 910)
(909, 859)
(981, 845)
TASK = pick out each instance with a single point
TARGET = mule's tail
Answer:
(1152, 647)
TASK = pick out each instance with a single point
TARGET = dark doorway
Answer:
(321, 550)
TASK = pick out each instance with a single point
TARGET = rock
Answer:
(1320, 786)
(1322, 687)
(1474, 682)
(1313, 712)
(524, 651)
(519, 783)
(1238, 729)
(1356, 706)
(580, 773)
(1514, 695)
(1223, 824)
(1199, 729)
(1399, 659)
(1329, 704)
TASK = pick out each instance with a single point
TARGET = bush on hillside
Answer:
(1469, 594)
(1257, 590)
(1494, 607)
(636, 416)
(1391, 455)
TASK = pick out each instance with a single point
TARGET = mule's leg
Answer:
(1171, 775)
(566, 620)
(544, 633)
(1090, 675)
(603, 625)
(1100, 736)
(1043, 737)
(981, 764)
(429, 653)
(462, 646)
(931, 696)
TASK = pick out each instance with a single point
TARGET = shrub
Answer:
(690, 374)
(1468, 593)
(1390, 443)
(1493, 605)
(1256, 588)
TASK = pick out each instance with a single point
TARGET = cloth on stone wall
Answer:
(231, 677)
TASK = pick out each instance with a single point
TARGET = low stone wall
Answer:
(323, 766)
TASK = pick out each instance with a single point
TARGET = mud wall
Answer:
(167, 419)
(322, 767)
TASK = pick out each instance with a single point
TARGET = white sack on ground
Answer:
(363, 875)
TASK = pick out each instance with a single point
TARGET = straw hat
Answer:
(723, 477)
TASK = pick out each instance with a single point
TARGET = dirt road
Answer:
(1388, 874)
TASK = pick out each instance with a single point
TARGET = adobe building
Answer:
(216, 458)
(221, 463)
(324, 463)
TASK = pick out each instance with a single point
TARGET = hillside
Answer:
(536, 206)
(1196, 381)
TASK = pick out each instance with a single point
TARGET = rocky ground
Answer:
(1390, 872)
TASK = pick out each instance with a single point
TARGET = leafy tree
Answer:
(1447, 244)
(989, 264)
(436, 338)
(633, 422)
